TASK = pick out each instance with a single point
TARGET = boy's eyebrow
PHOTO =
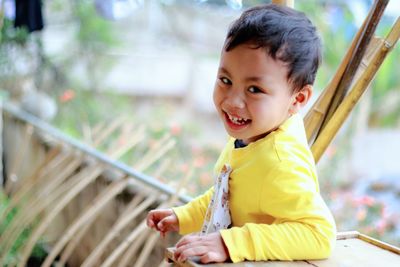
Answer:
(222, 69)
(254, 79)
(249, 79)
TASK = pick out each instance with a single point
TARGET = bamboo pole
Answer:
(31, 216)
(316, 115)
(84, 178)
(360, 86)
(122, 222)
(142, 226)
(98, 251)
(125, 244)
(33, 208)
(120, 149)
(91, 212)
(161, 147)
(124, 219)
(151, 241)
(148, 247)
(90, 151)
(26, 217)
(71, 186)
(117, 152)
(125, 261)
(126, 130)
(108, 131)
(17, 197)
(52, 199)
(373, 19)
(98, 128)
(19, 156)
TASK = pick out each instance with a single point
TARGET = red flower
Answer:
(67, 96)
(175, 129)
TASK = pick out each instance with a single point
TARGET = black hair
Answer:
(286, 34)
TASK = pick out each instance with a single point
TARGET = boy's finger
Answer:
(191, 251)
(187, 239)
(150, 220)
(164, 224)
(150, 223)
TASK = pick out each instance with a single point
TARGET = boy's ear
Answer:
(301, 98)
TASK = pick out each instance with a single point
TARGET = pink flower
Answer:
(364, 201)
(175, 129)
(67, 96)
(361, 214)
(199, 162)
(381, 227)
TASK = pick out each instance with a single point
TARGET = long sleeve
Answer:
(191, 215)
(303, 227)
(276, 209)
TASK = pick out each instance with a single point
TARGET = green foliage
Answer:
(95, 37)
(10, 37)
(384, 86)
(9, 34)
(94, 33)
(12, 255)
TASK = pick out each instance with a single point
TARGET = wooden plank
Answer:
(357, 252)
(352, 249)
(380, 244)
(169, 255)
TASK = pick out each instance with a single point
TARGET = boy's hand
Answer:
(163, 220)
(209, 248)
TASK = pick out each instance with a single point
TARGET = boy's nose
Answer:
(235, 101)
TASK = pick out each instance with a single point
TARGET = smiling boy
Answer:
(267, 68)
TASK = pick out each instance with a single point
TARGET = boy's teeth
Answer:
(235, 120)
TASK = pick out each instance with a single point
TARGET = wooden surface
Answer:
(352, 250)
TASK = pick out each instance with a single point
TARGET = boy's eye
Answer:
(225, 80)
(254, 90)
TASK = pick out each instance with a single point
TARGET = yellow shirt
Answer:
(276, 209)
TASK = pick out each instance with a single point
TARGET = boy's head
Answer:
(285, 34)
(267, 68)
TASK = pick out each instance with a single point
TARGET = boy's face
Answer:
(252, 94)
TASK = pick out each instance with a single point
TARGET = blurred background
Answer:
(152, 63)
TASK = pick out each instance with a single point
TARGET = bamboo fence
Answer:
(83, 204)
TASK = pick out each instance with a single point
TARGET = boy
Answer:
(267, 68)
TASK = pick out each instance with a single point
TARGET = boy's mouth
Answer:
(235, 121)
